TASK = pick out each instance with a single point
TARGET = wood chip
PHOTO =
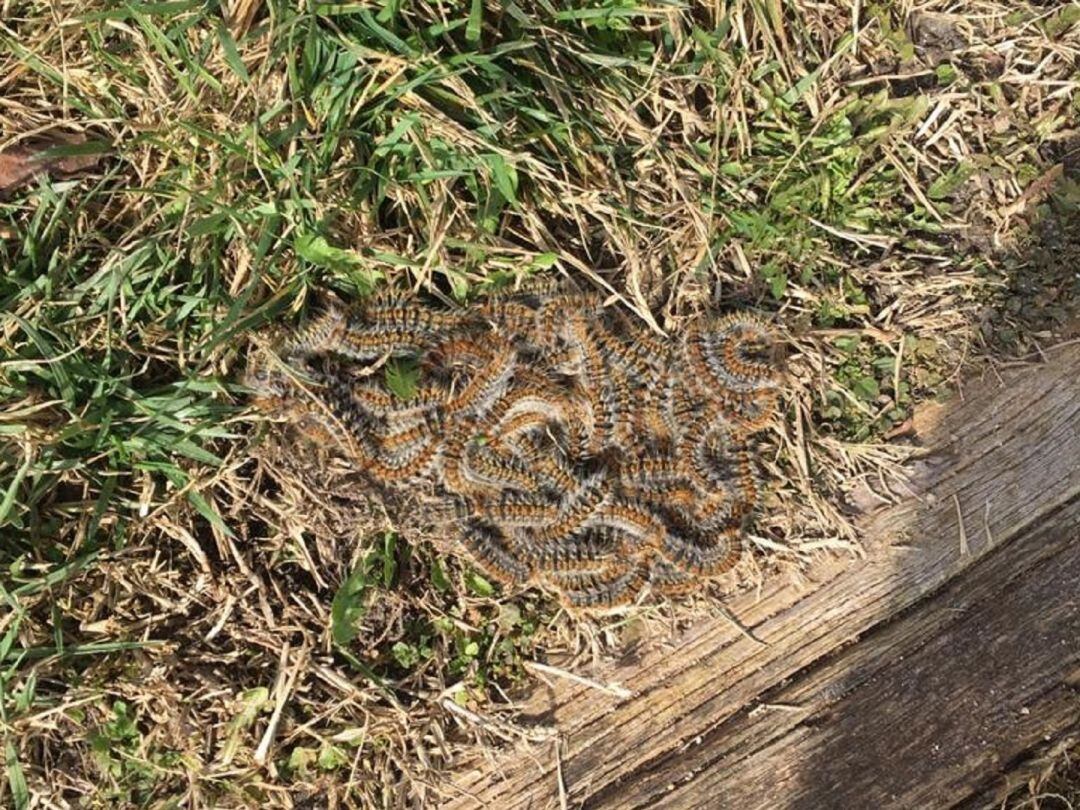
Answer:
(23, 162)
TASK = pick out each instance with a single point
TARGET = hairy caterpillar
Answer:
(562, 444)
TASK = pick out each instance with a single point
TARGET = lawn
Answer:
(197, 614)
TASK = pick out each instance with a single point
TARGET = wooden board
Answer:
(967, 604)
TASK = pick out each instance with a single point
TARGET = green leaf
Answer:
(406, 655)
(86, 149)
(73, 650)
(777, 279)
(207, 511)
(387, 36)
(108, 488)
(348, 605)
(544, 261)
(866, 389)
(331, 757)
(402, 377)
(389, 559)
(13, 489)
(509, 617)
(438, 577)
(885, 365)
(232, 53)
(476, 16)
(848, 344)
(946, 185)
(946, 74)
(478, 585)
(193, 451)
(400, 130)
(1061, 22)
(24, 698)
(459, 284)
(505, 177)
(20, 792)
(315, 249)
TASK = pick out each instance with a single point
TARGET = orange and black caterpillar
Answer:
(560, 443)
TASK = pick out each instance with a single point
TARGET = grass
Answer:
(195, 618)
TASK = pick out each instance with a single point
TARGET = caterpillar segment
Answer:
(387, 405)
(679, 501)
(454, 477)
(713, 458)
(523, 421)
(731, 354)
(626, 355)
(406, 466)
(576, 510)
(717, 511)
(484, 391)
(710, 559)
(549, 462)
(401, 440)
(639, 527)
(750, 411)
(487, 468)
(617, 582)
(667, 578)
(748, 348)
(374, 346)
(492, 550)
(579, 551)
(399, 314)
(322, 331)
(523, 513)
(652, 473)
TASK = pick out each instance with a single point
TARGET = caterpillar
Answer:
(559, 443)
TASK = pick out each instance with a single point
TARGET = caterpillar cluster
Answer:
(559, 443)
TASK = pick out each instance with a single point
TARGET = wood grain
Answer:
(1004, 462)
(932, 706)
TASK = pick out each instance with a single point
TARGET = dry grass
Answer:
(200, 616)
(1055, 783)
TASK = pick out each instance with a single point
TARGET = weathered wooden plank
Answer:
(1005, 458)
(921, 713)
